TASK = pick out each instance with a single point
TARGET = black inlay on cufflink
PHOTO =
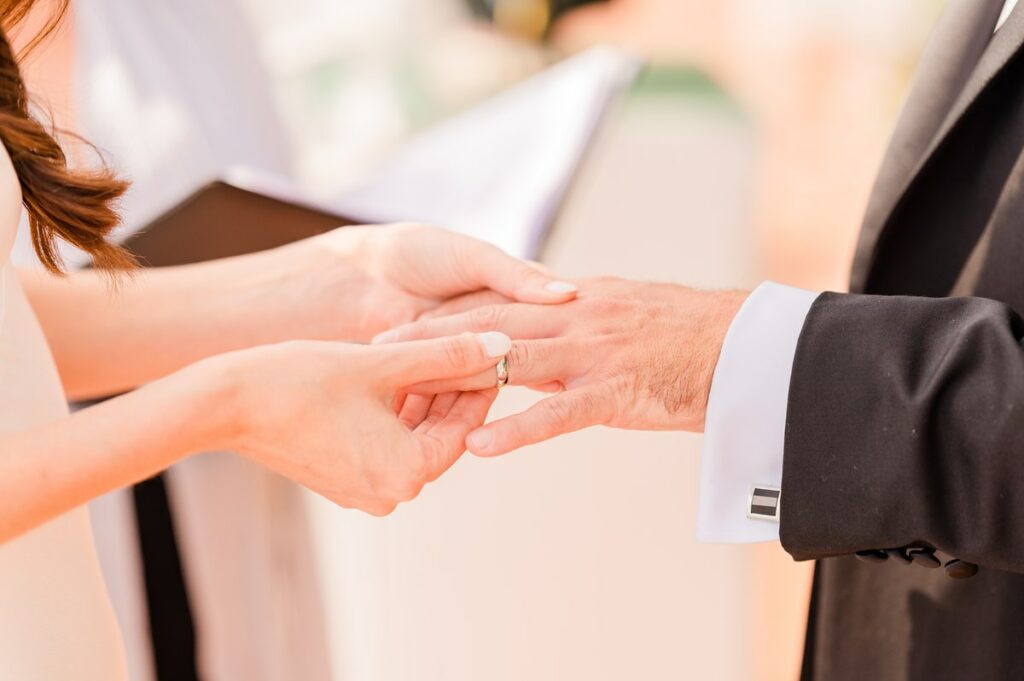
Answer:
(764, 503)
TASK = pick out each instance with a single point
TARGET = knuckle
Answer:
(590, 405)
(608, 316)
(406, 491)
(468, 254)
(602, 282)
(520, 357)
(455, 351)
(560, 412)
(527, 273)
(374, 483)
(381, 509)
(398, 481)
(581, 409)
(407, 485)
(600, 306)
(487, 318)
(602, 400)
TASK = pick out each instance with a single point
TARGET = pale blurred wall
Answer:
(823, 81)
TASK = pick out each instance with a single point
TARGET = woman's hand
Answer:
(331, 416)
(348, 284)
(334, 417)
(368, 279)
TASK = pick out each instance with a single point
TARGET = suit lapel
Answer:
(946, 75)
(1003, 45)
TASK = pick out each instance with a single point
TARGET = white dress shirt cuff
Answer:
(745, 425)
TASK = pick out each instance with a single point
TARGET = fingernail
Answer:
(561, 287)
(495, 343)
(480, 440)
(385, 337)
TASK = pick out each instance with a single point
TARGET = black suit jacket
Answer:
(905, 422)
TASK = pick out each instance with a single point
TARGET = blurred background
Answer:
(744, 150)
(820, 82)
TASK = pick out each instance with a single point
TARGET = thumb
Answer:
(521, 281)
(448, 357)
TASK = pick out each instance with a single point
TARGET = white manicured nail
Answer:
(495, 343)
(561, 287)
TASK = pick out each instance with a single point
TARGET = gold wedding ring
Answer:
(503, 372)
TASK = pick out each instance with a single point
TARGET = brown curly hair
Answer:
(78, 206)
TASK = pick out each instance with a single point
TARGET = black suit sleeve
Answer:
(905, 425)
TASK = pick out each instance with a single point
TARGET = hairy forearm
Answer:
(110, 337)
(54, 467)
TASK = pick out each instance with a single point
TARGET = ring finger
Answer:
(546, 361)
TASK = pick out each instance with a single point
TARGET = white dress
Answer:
(56, 622)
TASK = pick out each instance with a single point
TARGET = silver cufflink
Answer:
(764, 503)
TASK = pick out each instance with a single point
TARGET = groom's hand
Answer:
(624, 354)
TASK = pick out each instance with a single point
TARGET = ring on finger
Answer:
(503, 372)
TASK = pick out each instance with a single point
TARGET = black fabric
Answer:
(936, 223)
(927, 442)
(896, 622)
(807, 666)
(170, 616)
(905, 423)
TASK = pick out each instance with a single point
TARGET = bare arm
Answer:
(321, 413)
(108, 338)
(55, 467)
(348, 284)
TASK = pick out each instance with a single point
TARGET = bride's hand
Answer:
(333, 417)
(354, 282)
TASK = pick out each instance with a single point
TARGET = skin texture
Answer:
(336, 421)
(623, 354)
(320, 412)
(348, 284)
(211, 345)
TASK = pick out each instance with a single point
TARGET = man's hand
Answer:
(623, 354)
